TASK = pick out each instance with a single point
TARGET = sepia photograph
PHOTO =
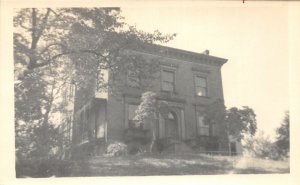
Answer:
(157, 90)
(97, 96)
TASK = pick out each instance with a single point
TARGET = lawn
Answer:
(199, 164)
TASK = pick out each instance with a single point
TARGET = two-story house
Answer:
(187, 81)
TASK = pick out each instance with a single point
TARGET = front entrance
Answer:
(171, 125)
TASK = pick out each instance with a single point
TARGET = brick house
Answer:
(187, 81)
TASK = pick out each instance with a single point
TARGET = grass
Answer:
(143, 165)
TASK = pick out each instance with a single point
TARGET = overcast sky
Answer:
(254, 39)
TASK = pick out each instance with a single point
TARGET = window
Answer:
(203, 129)
(131, 113)
(171, 116)
(200, 86)
(168, 80)
(102, 79)
(133, 79)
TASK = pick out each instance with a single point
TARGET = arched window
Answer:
(171, 116)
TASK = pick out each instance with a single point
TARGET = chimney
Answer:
(206, 52)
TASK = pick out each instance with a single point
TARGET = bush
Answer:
(260, 146)
(116, 149)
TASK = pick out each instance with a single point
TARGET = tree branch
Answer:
(43, 25)
(66, 53)
(57, 15)
(50, 45)
(33, 28)
(36, 35)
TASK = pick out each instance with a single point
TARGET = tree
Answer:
(147, 108)
(40, 35)
(44, 35)
(232, 122)
(54, 48)
(37, 102)
(93, 38)
(283, 136)
(240, 122)
(36, 141)
(145, 115)
(260, 146)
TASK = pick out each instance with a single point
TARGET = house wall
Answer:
(184, 93)
(115, 114)
(108, 119)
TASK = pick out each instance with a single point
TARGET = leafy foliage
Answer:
(35, 141)
(37, 103)
(116, 149)
(147, 108)
(237, 122)
(283, 136)
(145, 116)
(240, 122)
(44, 35)
(32, 86)
(260, 146)
(55, 49)
(215, 112)
(232, 122)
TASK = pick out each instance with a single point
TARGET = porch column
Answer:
(182, 123)
(161, 126)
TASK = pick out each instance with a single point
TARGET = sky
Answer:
(254, 39)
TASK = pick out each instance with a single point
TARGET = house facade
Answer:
(185, 82)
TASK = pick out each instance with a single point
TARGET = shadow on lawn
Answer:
(156, 165)
(151, 165)
(149, 170)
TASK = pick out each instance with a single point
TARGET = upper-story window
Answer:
(102, 79)
(133, 79)
(200, 86)
(168, 80)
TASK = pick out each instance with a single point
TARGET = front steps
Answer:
(170, 145)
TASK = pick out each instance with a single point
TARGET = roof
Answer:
(165, 51)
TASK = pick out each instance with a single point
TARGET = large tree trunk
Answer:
(36, 34)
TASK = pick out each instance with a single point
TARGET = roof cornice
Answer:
(180, 54)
